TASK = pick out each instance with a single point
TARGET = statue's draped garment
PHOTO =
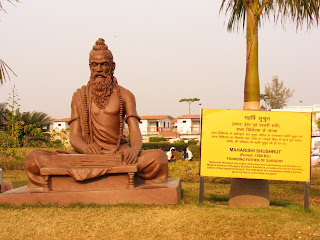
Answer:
(153, 163)
(92, 130)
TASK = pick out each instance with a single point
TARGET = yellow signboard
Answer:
(256, 144)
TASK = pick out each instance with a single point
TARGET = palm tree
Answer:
(254, 11)
(3, 66)
(189, 101)
(38, 119)
(4, 71)
(253, 192)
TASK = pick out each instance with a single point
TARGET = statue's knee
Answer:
(156, 158)
(31, 155)
(30, 160)
(161, 157)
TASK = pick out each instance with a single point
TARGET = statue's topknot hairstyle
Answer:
(100, 48)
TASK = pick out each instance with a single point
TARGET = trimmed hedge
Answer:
(164, 145)
(195, 149)
(157, 139)
(193, 142)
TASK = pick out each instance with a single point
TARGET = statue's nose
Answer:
(99, 69)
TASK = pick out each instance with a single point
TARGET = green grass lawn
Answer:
(214, 219)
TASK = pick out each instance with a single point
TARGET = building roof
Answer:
(174, 120)
(62, 120)
(189, 116)
(156, 117)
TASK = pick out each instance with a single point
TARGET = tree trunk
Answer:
(251, 192)
(251, 88)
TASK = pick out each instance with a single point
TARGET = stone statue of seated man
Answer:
(98, 112)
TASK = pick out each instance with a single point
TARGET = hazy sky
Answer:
(164, 51)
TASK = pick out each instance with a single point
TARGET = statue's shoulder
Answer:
(80, 91)
(125, 93)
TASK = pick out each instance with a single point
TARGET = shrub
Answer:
(58, 143)
(164, 145)
(12, 159)
(157, 139)
(193, 142)
(195, 149)
(187, 171)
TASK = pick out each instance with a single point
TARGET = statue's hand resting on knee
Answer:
(130, 156)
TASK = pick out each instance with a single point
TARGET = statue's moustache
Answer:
(100, 75)
(101, 81)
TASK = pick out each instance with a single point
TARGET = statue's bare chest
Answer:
(111, 110)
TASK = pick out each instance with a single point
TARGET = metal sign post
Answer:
(201, 190)
(1, 181)
(306, 195)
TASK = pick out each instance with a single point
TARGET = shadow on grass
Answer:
(223, 200)
(280, 203)
(220, 199)
(75, 205)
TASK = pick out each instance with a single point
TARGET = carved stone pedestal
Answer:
(168, 193)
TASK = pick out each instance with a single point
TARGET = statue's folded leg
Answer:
(34, 161)
(154, 166)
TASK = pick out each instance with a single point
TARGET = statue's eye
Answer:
(105, 64)
(94, 64)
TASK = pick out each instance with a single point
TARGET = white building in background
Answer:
(188, 126)
(59, 124)
(314, 110)
(156, 126)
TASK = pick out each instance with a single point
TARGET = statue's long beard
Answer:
(101, 89)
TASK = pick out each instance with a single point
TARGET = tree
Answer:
(33, 134)
(189, 101)
(264, 97)
(318, 123)
(24, 129)
(13, 124)
(4, 72)
(3, 66)
(278, 94)
(39, 119)
(3, 115)
(252, 12)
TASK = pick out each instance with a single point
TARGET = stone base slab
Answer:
(103, 183)
(168, 193)
(249, 193)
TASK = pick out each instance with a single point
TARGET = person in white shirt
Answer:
(170, 155)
